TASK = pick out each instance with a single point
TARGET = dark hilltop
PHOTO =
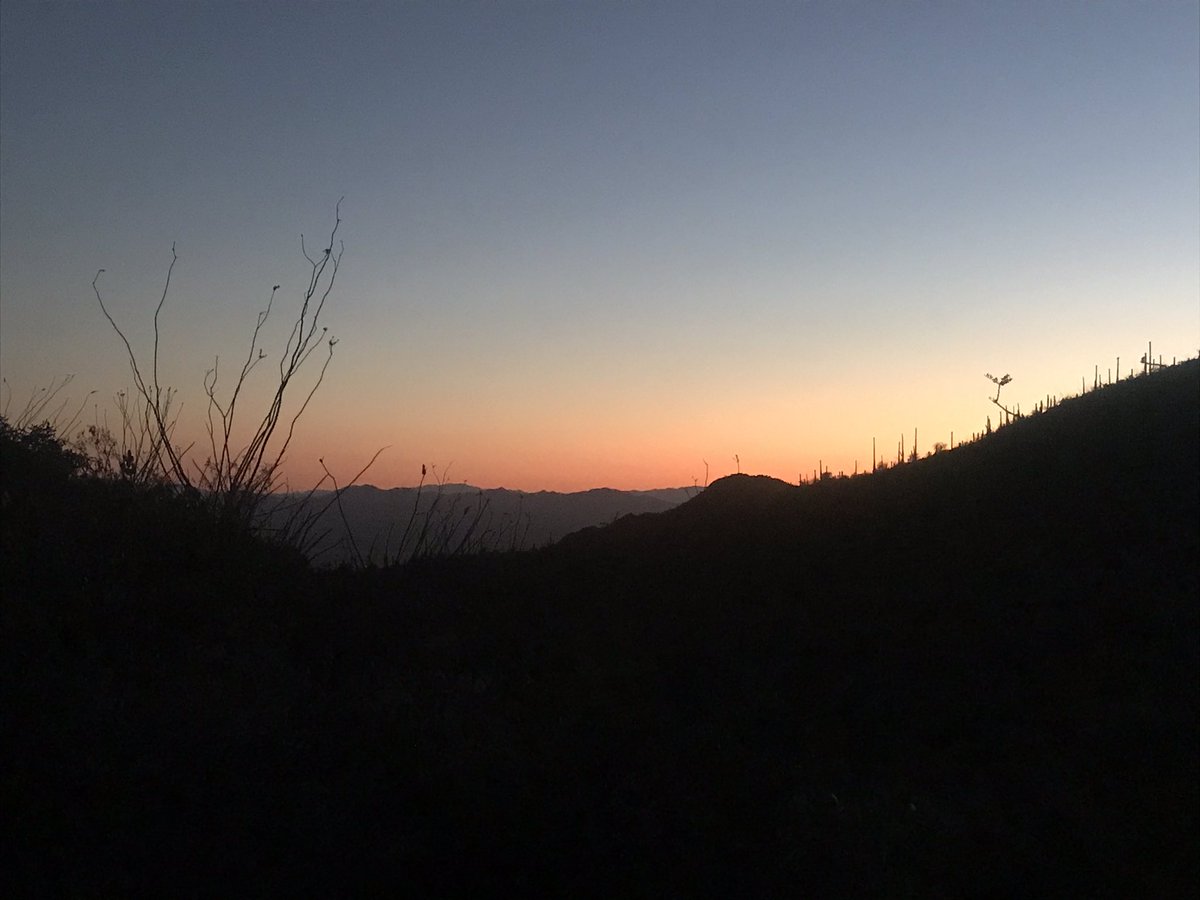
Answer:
(977, 674)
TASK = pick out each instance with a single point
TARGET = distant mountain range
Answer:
(378, 526)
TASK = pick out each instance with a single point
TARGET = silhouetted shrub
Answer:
(35, 454)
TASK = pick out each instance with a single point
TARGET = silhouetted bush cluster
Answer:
(35, 457)
(62, 520)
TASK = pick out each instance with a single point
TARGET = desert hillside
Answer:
(972, 675)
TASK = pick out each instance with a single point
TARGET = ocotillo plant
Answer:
(236, 480)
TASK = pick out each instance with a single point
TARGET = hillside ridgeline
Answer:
(974, 675)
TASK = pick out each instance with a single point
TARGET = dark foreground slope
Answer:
(976, 675)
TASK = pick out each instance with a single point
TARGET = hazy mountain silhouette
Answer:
(973, 675)
(378, 519)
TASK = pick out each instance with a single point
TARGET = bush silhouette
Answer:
(35, 456)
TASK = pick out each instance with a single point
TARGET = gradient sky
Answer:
(595, 244)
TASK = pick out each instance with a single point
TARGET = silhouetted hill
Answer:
(1079, 475)
(976, 674)
(973, 675)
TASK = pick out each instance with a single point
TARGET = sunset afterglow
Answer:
(591, 244)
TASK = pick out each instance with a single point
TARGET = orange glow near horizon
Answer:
(657, 441)
(607, 433)
(581, 453)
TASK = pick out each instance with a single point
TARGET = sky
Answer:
(626, 245)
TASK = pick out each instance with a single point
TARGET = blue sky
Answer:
(596, 243)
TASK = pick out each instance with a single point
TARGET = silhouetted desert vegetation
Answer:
(977, 674)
